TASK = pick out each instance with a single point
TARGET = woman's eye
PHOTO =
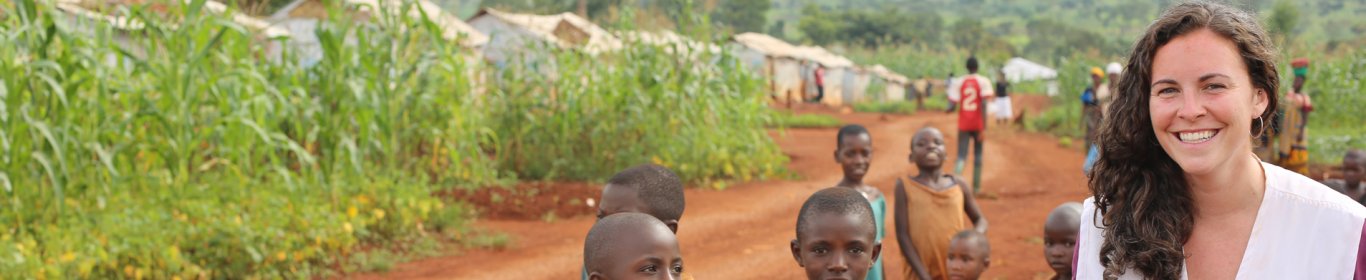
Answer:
(678, 269)
(1215, 86)
(649, 268)
(1166, 92)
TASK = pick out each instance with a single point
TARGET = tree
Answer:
(1284, 17)
(742, 15)
(819, 28)
(968, 33)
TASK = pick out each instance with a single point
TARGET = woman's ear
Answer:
(1260, 101)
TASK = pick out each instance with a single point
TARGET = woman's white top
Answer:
(1303, 230)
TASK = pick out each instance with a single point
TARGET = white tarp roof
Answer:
(452, 27)
(551, 27)
(887, 74)
(1019, 69)
(667, 38)
(822, 56)
(766, 44)
(81, 8)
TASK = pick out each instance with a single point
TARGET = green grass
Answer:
(790, 120)
(205, 160)
(893, 107)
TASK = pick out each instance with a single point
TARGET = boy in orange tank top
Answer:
(934, 205)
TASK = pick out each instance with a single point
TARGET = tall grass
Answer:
(204, 159)
(703, 116)
(201, 159)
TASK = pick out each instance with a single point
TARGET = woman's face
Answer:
(1202, 101)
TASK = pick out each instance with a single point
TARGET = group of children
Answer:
(839, 230)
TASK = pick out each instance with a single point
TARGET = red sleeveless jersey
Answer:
(970, 105)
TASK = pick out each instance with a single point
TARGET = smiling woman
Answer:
(1178, 191)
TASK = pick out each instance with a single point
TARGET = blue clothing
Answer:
(879, 218)
(1092, 154)
(1088, 97)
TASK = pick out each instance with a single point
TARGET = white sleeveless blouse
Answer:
(1304, 230)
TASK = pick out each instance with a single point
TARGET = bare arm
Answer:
(903, 234)
(979, 221)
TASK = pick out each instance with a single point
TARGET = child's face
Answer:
(1059, 242)
(855, 155)
(836, 247)
(1352, 171)
(928, 149)
(652, 254)
(966, 260)
(617, 199)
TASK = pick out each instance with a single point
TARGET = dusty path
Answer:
(743, 232)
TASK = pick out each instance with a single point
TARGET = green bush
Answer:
(593, 116)
(1338, 93)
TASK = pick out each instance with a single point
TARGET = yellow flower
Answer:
(346, 227)
(280, 256)
(68, 257)
(351, 212)
(379, 213)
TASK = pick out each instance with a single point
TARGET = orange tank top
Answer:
(934, 216)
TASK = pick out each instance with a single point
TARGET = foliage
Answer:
(698, 115)
(790, 120)
(1338, 92)
(742, 15)
(204, 160)
(868, 28)
(890, 107)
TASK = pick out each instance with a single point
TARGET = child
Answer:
(1353, 168)
(939, 200)
(836, 235)
(1060, 238)
(649, 189)
(973, 92)
(854, 151)
(969, 255)
(631, 245)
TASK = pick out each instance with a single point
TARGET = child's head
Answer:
(854, 151)
(972, 65)
(836, 236)
(927, 148)
(969, 255)
(1060, 236)
(649, 189)
(1353, 167)
(631, 246)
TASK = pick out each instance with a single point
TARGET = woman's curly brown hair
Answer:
(1145, 205)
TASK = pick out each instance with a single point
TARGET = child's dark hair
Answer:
(1142, 197)
(972, 64)
(839, 201)
(607, 231)
(849, 130)
(1355, 155)
(975, 237)
(656, 186)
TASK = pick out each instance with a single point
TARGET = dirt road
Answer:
(743, 232)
